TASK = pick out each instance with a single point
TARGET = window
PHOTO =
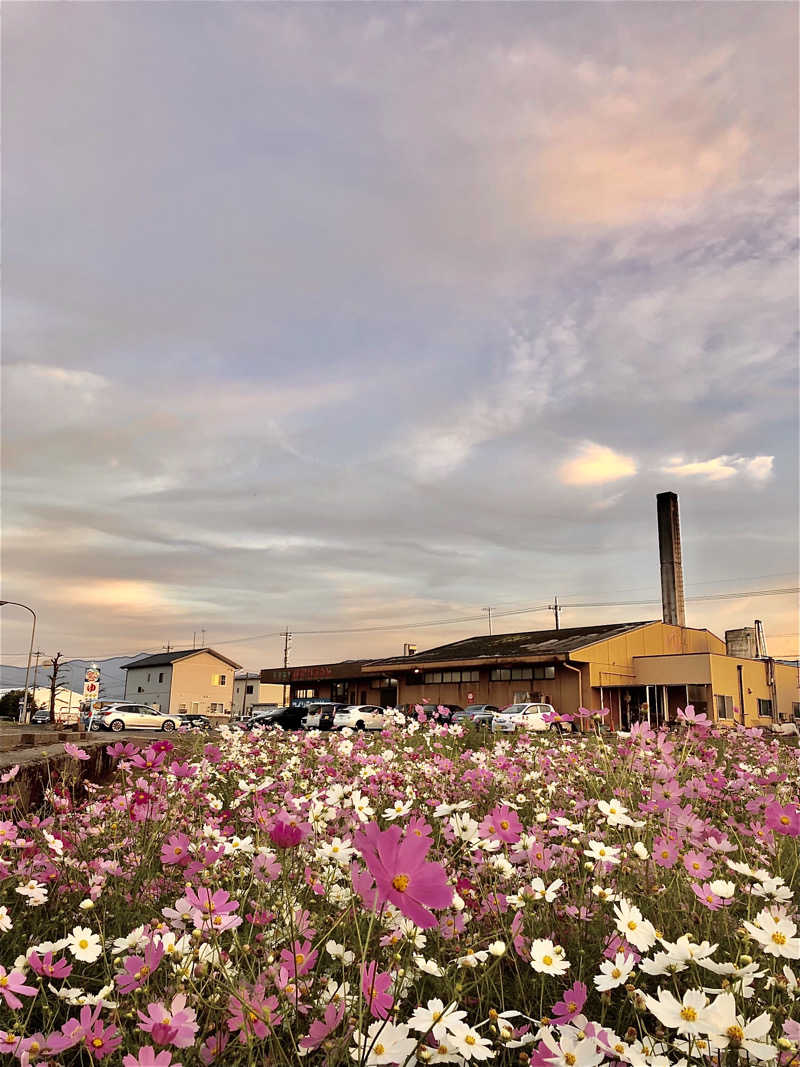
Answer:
(218, 679)
(796, 711)
(182, 708)
(724, 707)
(339, 691)
(249, 690)
(765, 709)
(500, 674)
(306, 694)
(148, 676)
(434, 677)
(139, 689)
(431, 677)
(160, 677)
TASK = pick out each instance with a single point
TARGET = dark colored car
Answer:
(477, 714)
(290, 718)
(195, 721)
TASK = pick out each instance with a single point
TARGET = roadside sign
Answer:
(91, 682)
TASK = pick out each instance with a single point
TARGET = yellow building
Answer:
(197, 680)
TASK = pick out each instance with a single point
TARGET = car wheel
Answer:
(168, 726)
(361, 725)
(117, 726)
(95, 727)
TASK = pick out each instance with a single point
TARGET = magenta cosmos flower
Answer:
(784, 819)
(148, 1057)
(401, 873)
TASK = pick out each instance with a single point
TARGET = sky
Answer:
(355, 317)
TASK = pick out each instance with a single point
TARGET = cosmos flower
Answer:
(402, 875)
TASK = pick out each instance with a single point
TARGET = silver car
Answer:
(523, 717)
(119, 717)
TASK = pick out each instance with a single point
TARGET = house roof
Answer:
(163, 659)
(528, 643)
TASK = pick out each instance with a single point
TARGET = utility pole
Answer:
(287, 639)
(194, 638)
(556, 610)
(167, 647)
(35, 671)
(203, 645)
(490, 619)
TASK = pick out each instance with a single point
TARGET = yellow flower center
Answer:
(504, 824)
(632, 925)
(616, 972)
(83, 943)
(3, 981)
(569, 1058)
(735, 1033)
(784, 820)
(379, 1049)
(547, 960)
(779, 938)
(299, 958)
(400, 882)
(689, 1014)
(469, 1040)
(36, 1047)
(97, 1042)
(166, 1020)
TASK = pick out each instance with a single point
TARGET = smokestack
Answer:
(669, 549)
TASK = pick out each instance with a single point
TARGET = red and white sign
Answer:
(91, 683)
(470, 697)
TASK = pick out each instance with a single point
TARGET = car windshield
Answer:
(474, 707)
(514, 709)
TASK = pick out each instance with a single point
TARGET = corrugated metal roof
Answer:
(531, 642)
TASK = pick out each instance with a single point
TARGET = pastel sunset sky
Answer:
(362, 316)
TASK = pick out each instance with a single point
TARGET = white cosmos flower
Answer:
(469, 1043)
(689, 1017)
(397, 810)
(602, 893)
(599, 852)
(383, 1043)
(776, 934)
(634, 928)
(614, 972)
(428, 966)
(436, 1018)
(472, 959)
(84, 944)
(570, 1049)
(733, 1032)
(339, 952)
(5, 919)
(547, 958)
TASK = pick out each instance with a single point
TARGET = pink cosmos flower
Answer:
(173, 1025)
(175, 850)
(149, 759)
(784, 819)
(299, 959)
(665, 853)
(503, 824)
(266, 868)
(47, 968)
(692, 718)
(118, 750)
(402, 875)
(148, 1057)
(708, 898)
(212, 1047)
(571, 1003)
(74, 751)
(137, 969)
(320, 1029)
(74, 1030)
(698, 864)
(182, 770)
(12, 983)
(102, 1040)
(252, 1013)
(374, 987)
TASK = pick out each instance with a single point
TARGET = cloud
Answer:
(723, 468)
(595, 465)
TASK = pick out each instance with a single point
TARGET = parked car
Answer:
(194, 721)
(476, 714)
(359, 717)
(523, 717)
(120, 717)
(320, 716)
(290, 718)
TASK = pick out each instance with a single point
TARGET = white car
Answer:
(319, 715)
(523, 717)
(120, 717)
(360, 717)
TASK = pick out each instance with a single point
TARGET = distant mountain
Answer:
(112, 678)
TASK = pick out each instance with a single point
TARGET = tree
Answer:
(56, 666)
(10, 702)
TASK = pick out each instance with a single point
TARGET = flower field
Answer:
(423, 895)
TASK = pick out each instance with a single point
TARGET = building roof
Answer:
(163, 659)
(528, 643)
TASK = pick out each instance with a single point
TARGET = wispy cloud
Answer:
(723, 468)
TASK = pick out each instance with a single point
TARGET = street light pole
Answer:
(23, 717)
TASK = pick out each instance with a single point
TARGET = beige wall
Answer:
(611, 662)
(191, 684)
(263, 693)
(692, 669)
